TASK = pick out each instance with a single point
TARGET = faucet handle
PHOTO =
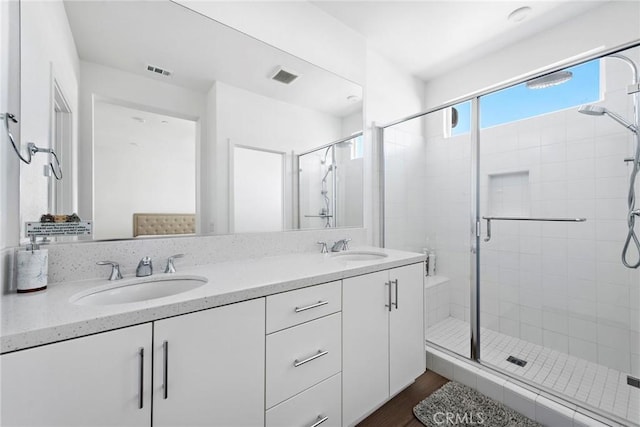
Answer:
(115, 269)
(345, 244)
(170, 267)
(323, 248)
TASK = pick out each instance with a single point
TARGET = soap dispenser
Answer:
(33, 268)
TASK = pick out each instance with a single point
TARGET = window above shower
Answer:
(526, 100)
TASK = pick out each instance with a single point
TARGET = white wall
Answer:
(245, 118)
(98, 81)
(9, 101)
(390, 93)
(612, 24)
(156, 167)
(297, 27)
(48, 53)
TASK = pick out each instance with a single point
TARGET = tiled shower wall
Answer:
(560, 285)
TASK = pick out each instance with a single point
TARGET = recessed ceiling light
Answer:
(139, 119)
(520, 14)
(164, 122)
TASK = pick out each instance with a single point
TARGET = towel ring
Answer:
(31, 147)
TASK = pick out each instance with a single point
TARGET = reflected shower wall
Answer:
(330, 183)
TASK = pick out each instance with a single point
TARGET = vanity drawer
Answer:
(315, 347)
(292, 308)
(310, 407)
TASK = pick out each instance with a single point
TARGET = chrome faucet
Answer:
(115, 269)
(170, 267)
(145, 267)
(341, 245)
(323, 248)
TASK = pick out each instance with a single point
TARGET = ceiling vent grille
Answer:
(158, 70)
(283, 76)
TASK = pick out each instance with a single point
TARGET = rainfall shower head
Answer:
(594, 110)
(549, 80)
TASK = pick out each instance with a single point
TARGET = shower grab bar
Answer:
(318, 216)
(521, 218)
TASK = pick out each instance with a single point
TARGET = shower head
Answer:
(594, 110)
(549, 80)
(591, 110)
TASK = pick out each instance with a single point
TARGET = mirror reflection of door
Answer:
(61, 191)
(144, 162)
(257, 190)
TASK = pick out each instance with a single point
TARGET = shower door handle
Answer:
(522, 218)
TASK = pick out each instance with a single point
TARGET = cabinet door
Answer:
(365, 343)
(89, 381)
(407, 356)
(214, 363)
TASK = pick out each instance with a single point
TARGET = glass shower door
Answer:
(427, 205)
(558, 308)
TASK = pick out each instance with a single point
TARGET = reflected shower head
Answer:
(594, 110)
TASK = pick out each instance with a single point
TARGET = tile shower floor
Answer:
(598, 386)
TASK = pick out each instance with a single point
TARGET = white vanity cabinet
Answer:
(303, 357)
(102, 379)
(383, 337)
(209, 367)
(208, 370)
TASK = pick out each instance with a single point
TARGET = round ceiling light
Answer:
(520, 14)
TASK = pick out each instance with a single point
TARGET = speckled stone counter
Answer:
(30, 320)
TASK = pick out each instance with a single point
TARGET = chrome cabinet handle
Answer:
(309, 307)
(141, 379)
(389, 285)
(165, 368)
(319, 421)
(396, 283)
(320, 353)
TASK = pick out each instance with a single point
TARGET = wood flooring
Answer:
(398, 412)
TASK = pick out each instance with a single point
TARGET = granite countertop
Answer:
(45, 317)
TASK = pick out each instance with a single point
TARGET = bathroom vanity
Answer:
(303, 339)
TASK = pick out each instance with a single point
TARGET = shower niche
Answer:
(508, 194)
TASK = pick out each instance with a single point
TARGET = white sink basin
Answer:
(359, 255)
(138, 290)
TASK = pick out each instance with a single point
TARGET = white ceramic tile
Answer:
(552, 414)
(465, 374)
(491, 385)
(581, 420)
(520, 400)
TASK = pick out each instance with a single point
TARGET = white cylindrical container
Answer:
(33, 270)
(432, 263)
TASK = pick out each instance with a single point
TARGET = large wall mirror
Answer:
(160, 115)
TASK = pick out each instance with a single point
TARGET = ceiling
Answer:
(128, 35)
(428, 38)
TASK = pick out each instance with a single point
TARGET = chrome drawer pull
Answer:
(320, 353)
(396, 283)
(309, 307)
(319, 421)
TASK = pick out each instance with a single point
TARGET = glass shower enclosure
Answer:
(524, 199)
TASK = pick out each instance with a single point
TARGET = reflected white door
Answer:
(258, 190)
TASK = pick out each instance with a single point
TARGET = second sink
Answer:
(359, 255)
(138, 290)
